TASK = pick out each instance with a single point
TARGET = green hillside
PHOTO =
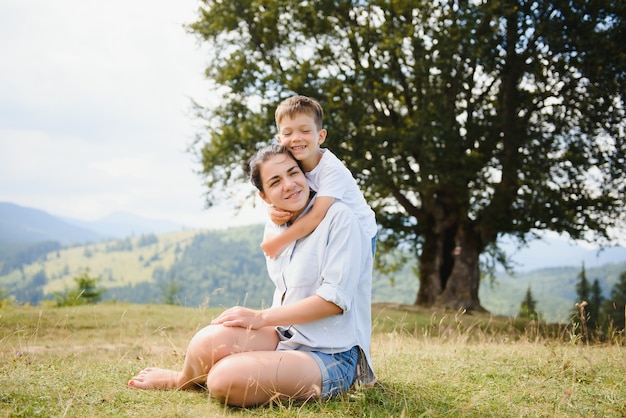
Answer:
(553, 288)
(226, 267)
(117, 263)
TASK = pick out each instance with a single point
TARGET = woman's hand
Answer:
(240, 317)
(305, 310)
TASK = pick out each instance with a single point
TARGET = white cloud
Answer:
(94, 109)
(103, 67)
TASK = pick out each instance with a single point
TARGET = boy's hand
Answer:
(279, 216)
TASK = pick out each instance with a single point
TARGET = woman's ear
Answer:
(265, 199)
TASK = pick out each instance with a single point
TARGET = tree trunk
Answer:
(461, 291)
(430, 263)
(449, 270)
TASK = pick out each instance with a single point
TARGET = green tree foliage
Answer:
(5, 299)
(583, 289)
(615, 305)
(171, 288)
(592, 294)
(462, 121)
(218, 268)
(85, 292)
(222, 268)
(170, 293)
(146, 240)
(596, 300)
(28, 290)
(15, 256)
(39, 279)
(26, 294)
(583, 295)
(120, 245)
(528, 307)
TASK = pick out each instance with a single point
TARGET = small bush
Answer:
(86, 292)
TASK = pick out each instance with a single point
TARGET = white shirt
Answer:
(335, 263)
(331, 178)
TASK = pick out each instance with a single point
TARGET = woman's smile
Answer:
(284, 184)
(294, 195)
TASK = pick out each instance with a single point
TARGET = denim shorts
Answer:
(338, 370)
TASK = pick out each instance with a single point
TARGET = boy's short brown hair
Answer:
(296, 105)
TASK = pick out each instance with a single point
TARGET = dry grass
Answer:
(75, 362)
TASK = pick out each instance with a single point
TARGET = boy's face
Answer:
(300, 136)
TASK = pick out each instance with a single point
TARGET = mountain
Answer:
(20, 224)
(556, 251)
(27, 225)
(122, 225)
(226, 267)
(553, 288)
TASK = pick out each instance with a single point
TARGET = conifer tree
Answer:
(595, 306)
(615, 306)
(580, 314)
(85, 292)
(528, 308)
(583, 289)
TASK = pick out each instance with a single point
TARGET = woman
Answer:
(315, 339)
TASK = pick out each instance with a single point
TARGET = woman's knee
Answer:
(230, 381)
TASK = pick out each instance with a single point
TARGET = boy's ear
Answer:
(262, 196)
(279, 138)
(321, 136)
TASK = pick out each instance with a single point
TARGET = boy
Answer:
(299, 122)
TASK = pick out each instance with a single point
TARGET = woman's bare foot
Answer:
(155, 378)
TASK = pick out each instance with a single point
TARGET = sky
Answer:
(95, 111)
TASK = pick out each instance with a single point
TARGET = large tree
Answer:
(463, 121)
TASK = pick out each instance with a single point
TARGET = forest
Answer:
(218, 268)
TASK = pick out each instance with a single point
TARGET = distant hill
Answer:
(221, 268)
(19, 224)
(226, 267)
(122, 225)
(559, 252)
(553, 288)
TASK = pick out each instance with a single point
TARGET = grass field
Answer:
(75, 362)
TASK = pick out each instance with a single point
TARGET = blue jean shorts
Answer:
(338, 370)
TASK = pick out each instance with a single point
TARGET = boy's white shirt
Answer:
(332, 178)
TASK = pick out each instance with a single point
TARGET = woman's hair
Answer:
(252, 166)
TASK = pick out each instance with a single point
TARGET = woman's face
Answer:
(284, 184)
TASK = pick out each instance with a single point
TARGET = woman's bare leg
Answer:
(210, 345)
(259, 377)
